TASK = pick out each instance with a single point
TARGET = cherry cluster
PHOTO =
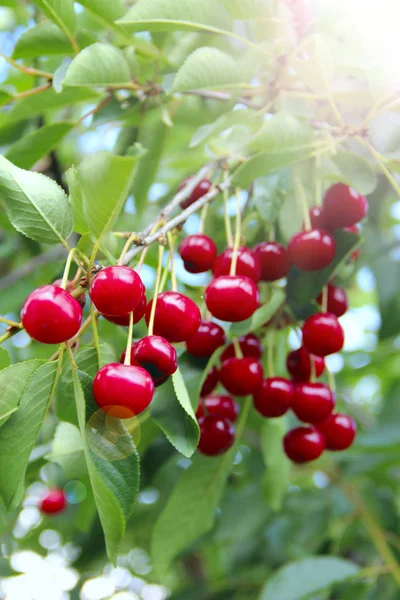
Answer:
(53, 315)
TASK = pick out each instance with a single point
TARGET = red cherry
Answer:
(312, 250)
(275, 397)
(303, 444)
(71, 287)
(249, 344)
(53, 502)
(51, 315)
(317, 218)
(339, 431)
(241, 376)
(116, 291)
(274, 260)
(210, 382)
(248, 264)
(200, 190)
(123, 390)
(219, 405)
(138, 314)
(177, 317)
(298, 363)
(198, 253)
(337, 300)
(312, 402)
(206, 340)
(323, 334)
(216, 435)
(156, 355)
(232, 298)
(343, 206)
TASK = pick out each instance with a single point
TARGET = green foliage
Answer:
(98, 65)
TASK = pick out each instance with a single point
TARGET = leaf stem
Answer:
(236, 242)
(303, 204)
(32, 92)
(26, 70)
(237, 348)
(96, 340)
(156, 288)
(128, 351)
(381, 164)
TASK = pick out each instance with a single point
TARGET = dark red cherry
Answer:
(198, 253)
(343, 206)
(323, 334)
(200, 190)
(71, 287)
(210, 382)
(177, 317)
(317, 218)
(273, 259)
(53, 502)
(303, 444)
(337, 300)
(220, 405)
(249, 344)
(298, 364)
(248, 264)
(216, 435)
(275, 397)
(232, 298)
(312, 402)
(123, 391)
(138, 314)
(339, 431)
(241, 376)
(206, 340)
(312, 250)
(116, 291)
(156, 355)
(51, 315)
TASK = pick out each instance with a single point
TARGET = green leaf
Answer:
(29, 149)
(303, 287)
(356, 171)
(190, 510)
(164, 15)
(112, 461)
(300, 579)
(280, 133)
(5, 97)
(46, 39)
(249, 9)
(172, 411)
(261, 315)
(61, 12)
(275, 479)
(4, 360)
(105, 11)
(36, 205)
(19, 434)
(209, 68)
(76, 200)
(13, 380)
(67, 451)
(269, 193)
(225, 121)
(98, 65)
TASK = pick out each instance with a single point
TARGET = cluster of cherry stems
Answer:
(52, 315)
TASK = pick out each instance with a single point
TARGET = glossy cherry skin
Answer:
(177, 317)
(220, 405)
(200, 190)
(343, 206)
(156, 355)
(138, 314)
(123, 390)
(323, 334)
(211, 382)
(339, 431)
(232, 298)
(317, 218)
(216, 435)
(303, 444)
(273, 259)
(54, 502)
(71, 287)
(248, 264)
(312, 250)
(337, 300)
(241, 376)
(274, 398)
(206, 340)
(51, 315)
(249, 344)
(198, 253)
(298, 364)
(116, 291)
(312, 402)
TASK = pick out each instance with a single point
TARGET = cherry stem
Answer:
(156, 288)
(318, 182)
(237, 235)
(270, 354)
(67, 268)
(146, 249)
(127, 360)
(96, 340)
(131, 239)
(10, 323)
(324, 305)
(313, 374)
(203, 217)
(228, 228)
(71, 356)
(170, 239)
(164, 276)
(271, 234)
(303, 204)
(237, 348)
